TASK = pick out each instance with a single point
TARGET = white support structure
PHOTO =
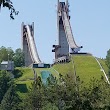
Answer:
(28, 45)
(65, 35)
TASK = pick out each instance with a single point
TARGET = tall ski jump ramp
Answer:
(28, 45)
(65, 36)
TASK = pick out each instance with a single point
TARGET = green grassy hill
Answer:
(26, 77)
(85, 65)
(86, 68)
(23, 80)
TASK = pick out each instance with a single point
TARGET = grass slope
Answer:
(102, 61)
(27, 73)
(25, 80)
(64, 68)
(87, 68)
(85, 65)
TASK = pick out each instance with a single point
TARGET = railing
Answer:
(69, 34)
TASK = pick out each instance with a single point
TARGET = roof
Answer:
(6, 62)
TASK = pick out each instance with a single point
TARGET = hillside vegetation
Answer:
(85, 66)
(25, 77)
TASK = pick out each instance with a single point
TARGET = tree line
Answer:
(108, 62)
(57, 94)
(9, 99)
(66, 94)
(63, 93)
(8, 54)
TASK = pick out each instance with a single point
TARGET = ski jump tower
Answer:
(65, 36)
(28, 45)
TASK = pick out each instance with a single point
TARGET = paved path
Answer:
(55, 70)
(101, 68)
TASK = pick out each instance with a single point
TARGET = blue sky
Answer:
(90, 21)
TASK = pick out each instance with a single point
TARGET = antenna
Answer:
(66, 2)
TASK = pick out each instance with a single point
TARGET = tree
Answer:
(71, 95)
(10, 53)
(18, 58)
(108, 60)
(96, 96)
(8, 4)
(3, 53)
(5, 82)
(35, 97)
(68, 94)
(6, 53)
(10, 100)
